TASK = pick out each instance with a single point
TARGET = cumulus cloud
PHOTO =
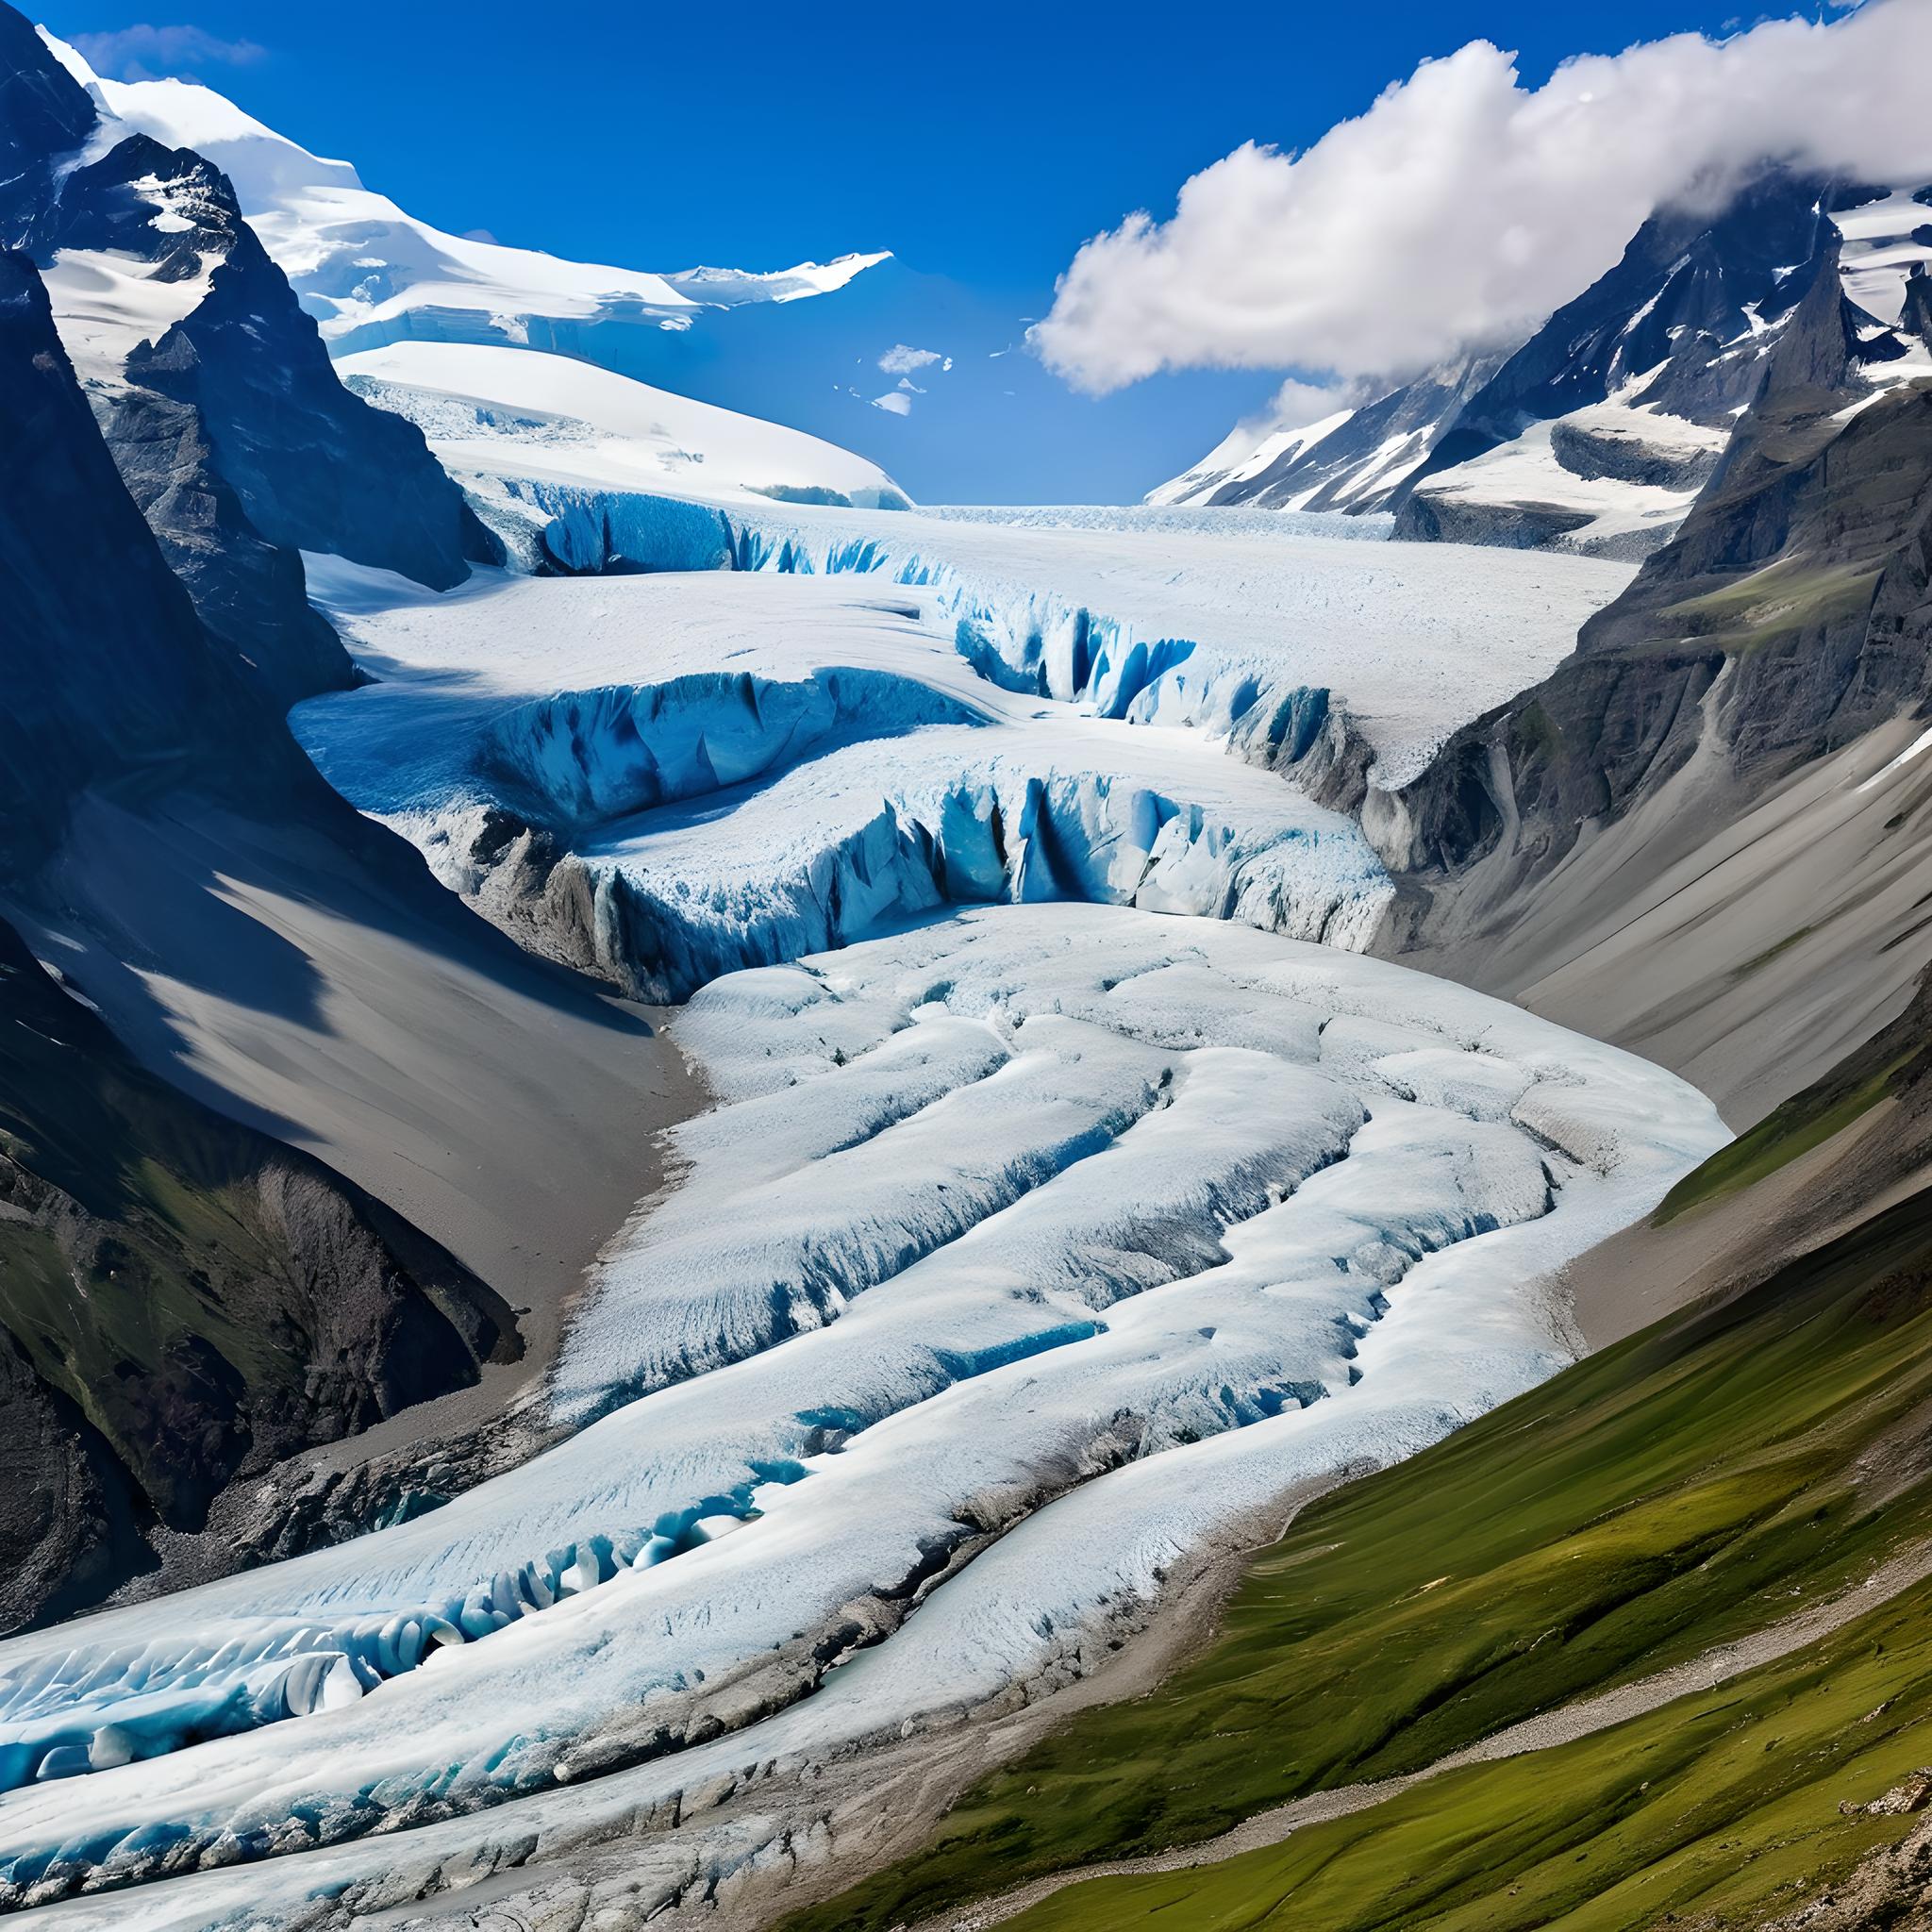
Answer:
(1463, 206)
(901, 359)
(893, 403)
(147, 53)
(1296, 404)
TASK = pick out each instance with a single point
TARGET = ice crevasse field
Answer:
(1075, 1184)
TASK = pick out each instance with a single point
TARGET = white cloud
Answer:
(893, 403)
(901, 359)
(1295, 405)
(147, 53)
(1462, 208)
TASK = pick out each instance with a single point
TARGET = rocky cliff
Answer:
(182, 1300)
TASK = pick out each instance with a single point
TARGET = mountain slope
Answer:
(181, 1300)
(1685, 832)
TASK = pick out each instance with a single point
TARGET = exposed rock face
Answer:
(1917, 320)
(110, 677)
(250, 594)
(1800, 579)
(315, 467)
(1514, 525)
(182, 1301)
(1687, 287)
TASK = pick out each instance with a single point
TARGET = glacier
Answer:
(1006, 1230)
(1075, 1185)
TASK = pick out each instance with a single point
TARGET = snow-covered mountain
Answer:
(377, 281)
(372, 274)
(1598, 432)
(499, 409)
(1355, 460)
(227, 421)
(926, 378)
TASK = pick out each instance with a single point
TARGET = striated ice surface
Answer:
(1153, 1216)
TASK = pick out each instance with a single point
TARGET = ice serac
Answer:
(909, 720)
(857, 768)
(1151, 1216)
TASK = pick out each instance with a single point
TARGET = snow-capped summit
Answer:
(1354, 460)
(227, 421)
(1597, 433)
(372, 274)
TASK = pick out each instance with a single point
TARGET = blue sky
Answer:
(981, 145)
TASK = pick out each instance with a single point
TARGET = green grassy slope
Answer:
(1684, 1487)
(1722, 1808)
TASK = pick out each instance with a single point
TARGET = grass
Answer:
(1666, 1494)
(1786, 597)
(1781, 1136)
(1722, 1808)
